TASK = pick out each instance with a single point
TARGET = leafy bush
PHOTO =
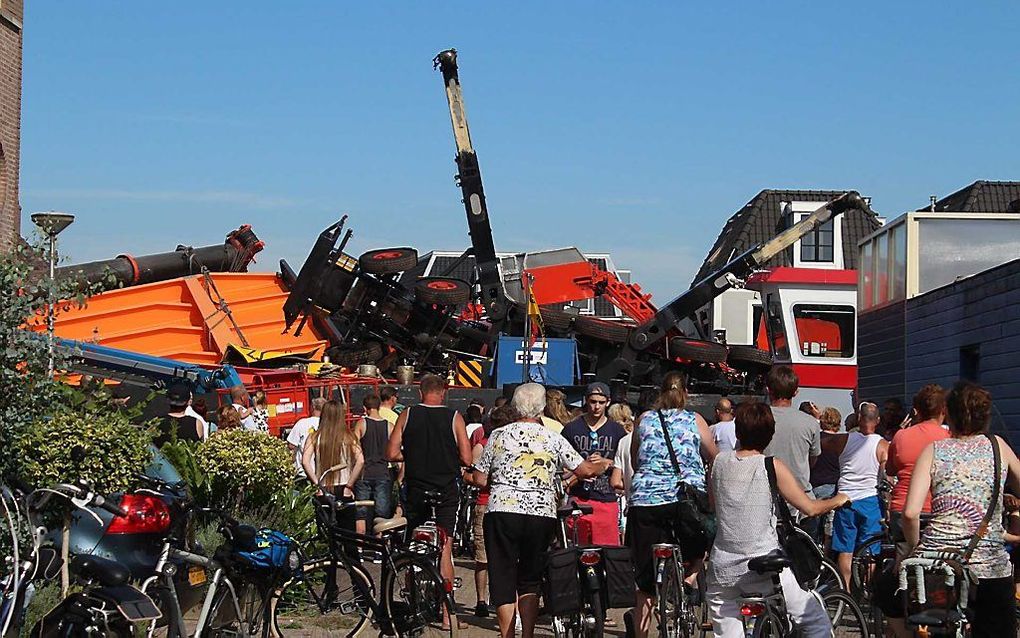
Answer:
(243, 467)
(115, 450)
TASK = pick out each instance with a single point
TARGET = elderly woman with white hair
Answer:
(521, 464)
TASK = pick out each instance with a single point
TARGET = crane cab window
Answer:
(825, 330)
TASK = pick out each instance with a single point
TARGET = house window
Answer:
(822, 247)
(819, 244)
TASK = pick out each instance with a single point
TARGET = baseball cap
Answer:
(178, 395)
(597, 387)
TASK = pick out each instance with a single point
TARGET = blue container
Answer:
(552, 363)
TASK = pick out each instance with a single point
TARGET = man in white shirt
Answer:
(724, 430)
(299, 433)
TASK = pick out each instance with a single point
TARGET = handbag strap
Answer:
(982, 529)
(782, 511)
(669, 444)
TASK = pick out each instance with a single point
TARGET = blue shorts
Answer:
(855, 524)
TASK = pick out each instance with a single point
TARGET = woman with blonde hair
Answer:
(333, 452)
(260, 411)
(622, 414)
(556, 406)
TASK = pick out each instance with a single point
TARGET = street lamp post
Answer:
(51, 223)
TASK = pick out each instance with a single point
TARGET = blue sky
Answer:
(632, 128)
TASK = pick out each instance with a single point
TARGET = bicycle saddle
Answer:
(774, 561)
(106, 572)
(381, 525)
(571, 507)
(936, 618)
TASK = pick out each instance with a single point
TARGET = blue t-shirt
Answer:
(655, 481)
(586, 441)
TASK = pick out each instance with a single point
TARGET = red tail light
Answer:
(424, 536)
(752, 610)
(146, 515)
(590, 558)
(662, 552)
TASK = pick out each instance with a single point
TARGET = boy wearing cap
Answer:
(177, 423)
(595, 436)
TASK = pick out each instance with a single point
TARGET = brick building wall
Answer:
(11, 16)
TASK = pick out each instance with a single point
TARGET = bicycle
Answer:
(869, 560)
(675, 602)
(588, 619)
(463, 531)
(337, 595)
(238, 600)
(765, 614)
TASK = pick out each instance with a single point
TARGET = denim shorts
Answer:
(379, 490)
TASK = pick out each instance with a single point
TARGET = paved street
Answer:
(487, 626)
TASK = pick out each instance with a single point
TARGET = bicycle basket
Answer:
(935, 588)
(273, 550)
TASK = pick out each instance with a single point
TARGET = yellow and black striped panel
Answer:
(469, 374)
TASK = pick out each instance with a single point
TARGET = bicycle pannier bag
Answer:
(271, 551)
(562, 587)
(798, 545)
(619, 577)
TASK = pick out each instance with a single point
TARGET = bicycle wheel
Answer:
(416, 599)
(767, 626)
(672, 605)
(224, 618)
(867, 563)
(848, 621)
(829, 579)
(328, 597)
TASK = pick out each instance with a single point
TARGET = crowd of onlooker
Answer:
(924, 475)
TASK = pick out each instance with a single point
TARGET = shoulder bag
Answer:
(695, 519)
(800, 548)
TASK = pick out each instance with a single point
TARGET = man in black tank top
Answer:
(375, 483)
(431, 439)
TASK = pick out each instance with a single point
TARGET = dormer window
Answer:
(823, 246)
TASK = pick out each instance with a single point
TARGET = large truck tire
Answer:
(442, 291)
(351, 355)
(749, 358)
(599, 329)
(388, 261)
(556, 319)
(697, 350)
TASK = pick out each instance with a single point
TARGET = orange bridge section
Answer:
(189, 318)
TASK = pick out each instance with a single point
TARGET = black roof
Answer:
(982, 196)
(761, 219)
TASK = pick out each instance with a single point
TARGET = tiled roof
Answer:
(982, 197)
(762, 219)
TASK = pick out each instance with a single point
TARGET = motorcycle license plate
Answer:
(196, 575)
